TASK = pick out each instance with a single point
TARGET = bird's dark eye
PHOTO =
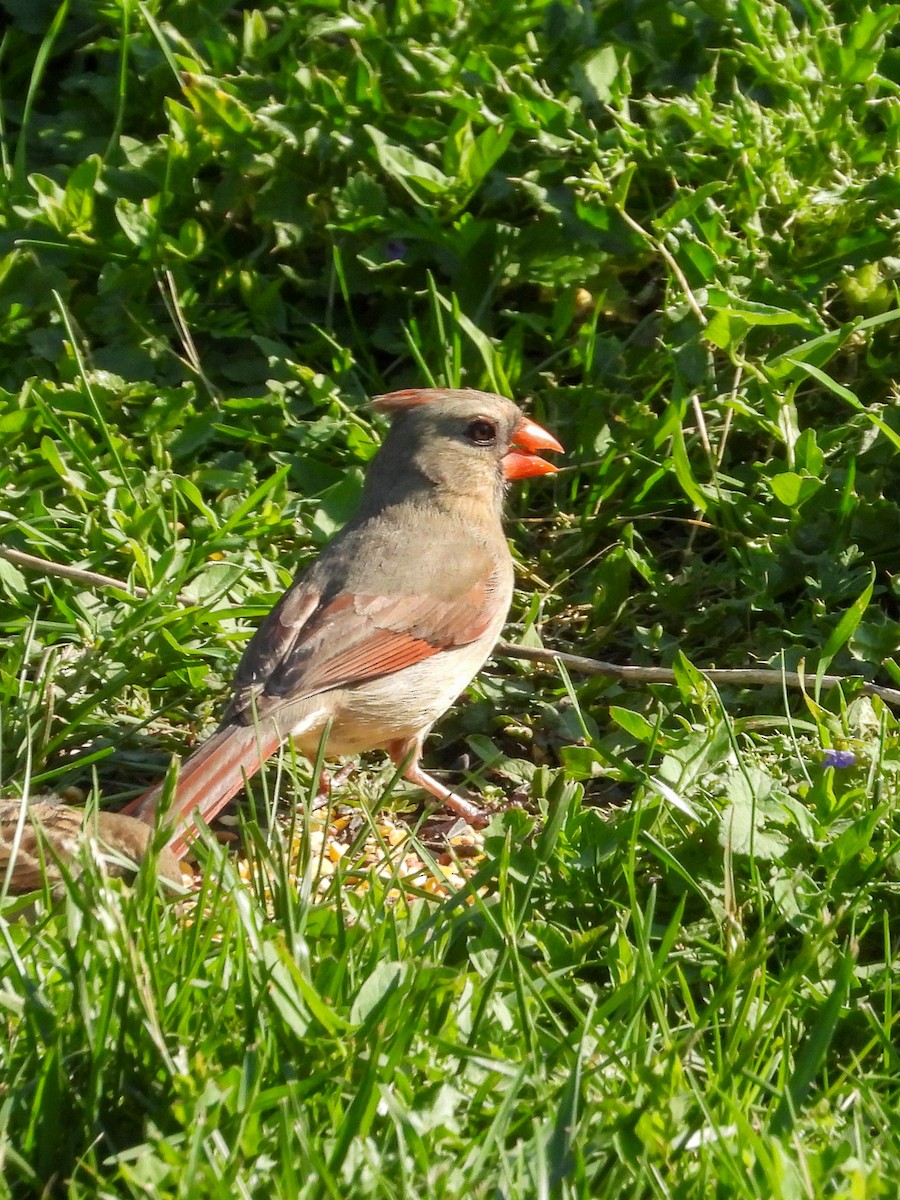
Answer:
(482, 433)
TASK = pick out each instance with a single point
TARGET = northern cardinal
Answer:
(55, 833)
(377, 638)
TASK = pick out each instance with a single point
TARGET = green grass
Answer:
(671, 229)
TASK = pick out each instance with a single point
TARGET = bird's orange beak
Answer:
(522, 459)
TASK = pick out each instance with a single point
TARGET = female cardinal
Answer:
(377, 638)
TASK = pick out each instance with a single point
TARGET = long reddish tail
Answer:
(208, 780)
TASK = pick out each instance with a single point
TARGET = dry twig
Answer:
(30, 562)
(735, 677)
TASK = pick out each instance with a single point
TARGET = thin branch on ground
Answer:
(734, 677)
(30, 562)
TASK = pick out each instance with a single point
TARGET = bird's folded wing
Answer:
(309, 644)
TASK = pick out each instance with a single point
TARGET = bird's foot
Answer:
(470, 812)
(328, 784)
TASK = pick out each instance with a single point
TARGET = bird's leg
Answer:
(406, 754)
(329, 782)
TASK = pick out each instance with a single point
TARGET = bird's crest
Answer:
(397, 402)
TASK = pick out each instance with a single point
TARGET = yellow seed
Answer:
(583, 301)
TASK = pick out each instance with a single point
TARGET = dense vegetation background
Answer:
(671, 228)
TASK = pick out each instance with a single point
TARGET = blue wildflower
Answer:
(395, 250)
(839, 758)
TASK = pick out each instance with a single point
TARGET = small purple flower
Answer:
(395, 250)
(838, 758)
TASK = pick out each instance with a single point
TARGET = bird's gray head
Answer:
(462, 442)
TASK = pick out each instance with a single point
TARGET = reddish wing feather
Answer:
(381, 653)
(375, 635)
(355, 638)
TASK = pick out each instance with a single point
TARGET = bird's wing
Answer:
(309, 643)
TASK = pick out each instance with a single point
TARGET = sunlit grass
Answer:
(671, 232)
